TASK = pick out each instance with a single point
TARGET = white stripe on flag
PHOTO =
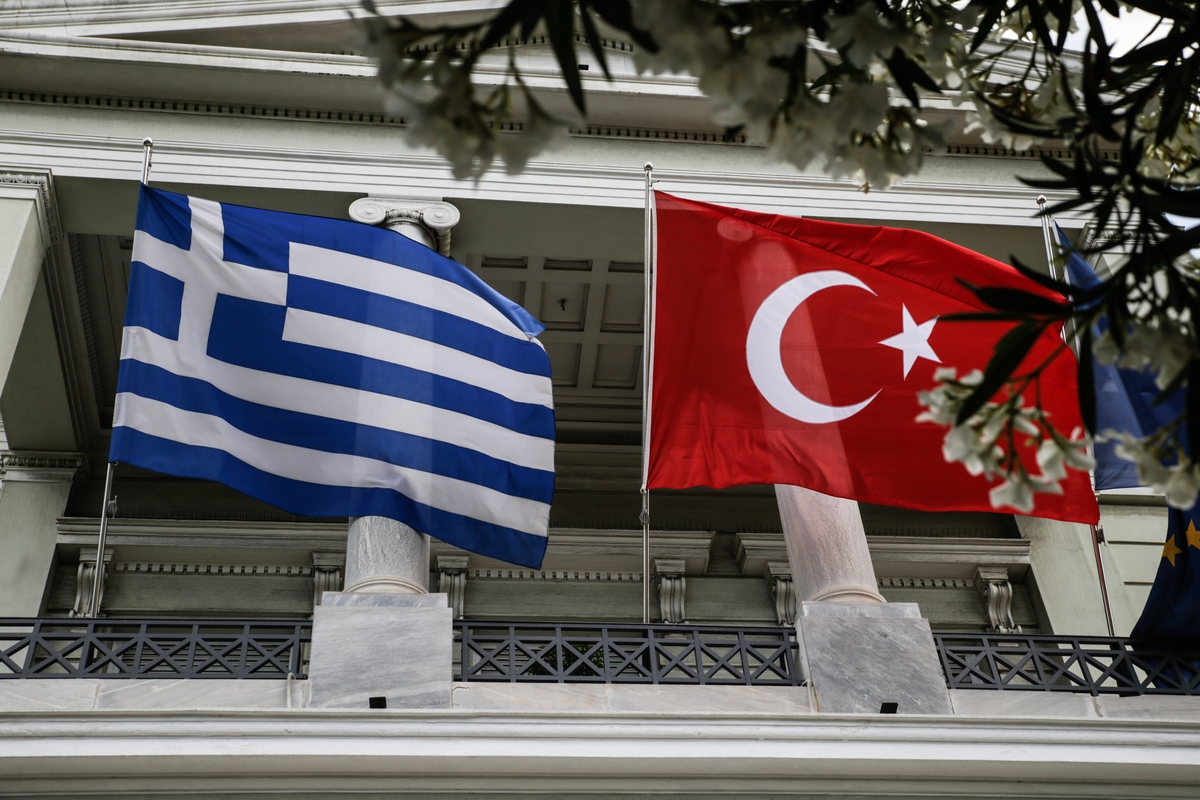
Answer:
(332, 469)
(348, 336)
(236, 280)
(379, 277)
(343, 403)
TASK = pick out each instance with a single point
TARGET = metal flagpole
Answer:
(1097, 530)
(98, 579)
(1050, 260)
(647, 316)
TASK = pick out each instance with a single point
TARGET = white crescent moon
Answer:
(763, 342)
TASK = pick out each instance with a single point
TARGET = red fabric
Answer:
(711, 426)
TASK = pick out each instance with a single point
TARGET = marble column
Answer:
(34, 495)
(827, 547)
(385, 638)
(22, 249)
(384, 556)
(858, 652)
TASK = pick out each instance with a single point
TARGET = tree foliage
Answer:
(850, 84)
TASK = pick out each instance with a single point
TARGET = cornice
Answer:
(224, 569)
(692, 753)
(42, 467)
(344, 117)
(122, 17)
(79, 531)
(116, 157)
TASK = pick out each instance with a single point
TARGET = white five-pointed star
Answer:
(913, 341)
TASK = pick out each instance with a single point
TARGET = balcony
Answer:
(546, 652)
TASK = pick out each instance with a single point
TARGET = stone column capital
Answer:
(435, 217)
(42, 466)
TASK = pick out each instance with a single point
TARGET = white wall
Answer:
(1134, 537)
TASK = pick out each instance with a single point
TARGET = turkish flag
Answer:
(791, 351)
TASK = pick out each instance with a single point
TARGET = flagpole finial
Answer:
(147, 149)
(1041, 200)
(648, 166)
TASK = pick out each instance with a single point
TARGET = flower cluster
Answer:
(1178, 481)
(444, 110)
(987, 443)
(1154, 344)
(854, 122)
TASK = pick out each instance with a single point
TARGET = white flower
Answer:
(1014, 492)
(1150, 470)
(1182, 485)
(1105, 350)
(1051, 460)
(863, 34)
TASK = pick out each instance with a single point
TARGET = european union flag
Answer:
(1125, 401)
(1125, 398)
(1173, 609)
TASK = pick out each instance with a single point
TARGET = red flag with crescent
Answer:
(791, 351)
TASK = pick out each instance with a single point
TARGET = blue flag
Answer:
(1173, 608)
(1124, 397)
(332, 368)
(1125, 402)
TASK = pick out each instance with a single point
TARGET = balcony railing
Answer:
(1082, 664)
(112, 648)
(548, 652)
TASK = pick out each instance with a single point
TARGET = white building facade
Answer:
(265, 103)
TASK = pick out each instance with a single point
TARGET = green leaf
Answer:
(1086, 380)
(907, 73)
(995, 9)
(1009, 353)
(503, 23)
(1017, 301)
(1193, 408)
(1040, 277)
(619, 14)
(593, 36)
(560, 27)
(1174, 100)
(984, 316)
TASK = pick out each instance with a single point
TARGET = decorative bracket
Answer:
(452, 580)
(779, 578)
(85, 579)
(425, 221)
(328, 571)
(671, 588)
(996, 592)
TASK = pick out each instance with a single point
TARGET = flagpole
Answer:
(101, 541)
(647, 339)
(1050, 260)
(1097, 530)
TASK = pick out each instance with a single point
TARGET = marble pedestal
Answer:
(381, 645)
(861, 655)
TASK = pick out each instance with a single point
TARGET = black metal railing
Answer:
(560, 652)
(1083, 664)
(111, 648)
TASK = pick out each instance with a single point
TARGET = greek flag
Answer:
(334, 369)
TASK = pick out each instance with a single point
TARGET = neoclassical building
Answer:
(267, 103)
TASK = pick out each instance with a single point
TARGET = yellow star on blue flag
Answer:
(1173, 608)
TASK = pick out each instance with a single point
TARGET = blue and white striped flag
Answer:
(334, 369)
